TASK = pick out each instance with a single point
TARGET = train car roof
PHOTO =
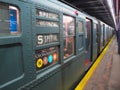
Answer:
(62, 7)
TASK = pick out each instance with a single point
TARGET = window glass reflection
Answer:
(69, 32)
(68, 46)
(88, 34)
(9, 19)
(80, 26)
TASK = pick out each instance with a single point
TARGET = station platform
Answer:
(105, 72)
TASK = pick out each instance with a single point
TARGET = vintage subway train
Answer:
(46, 44)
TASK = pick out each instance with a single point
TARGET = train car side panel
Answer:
(15, 45)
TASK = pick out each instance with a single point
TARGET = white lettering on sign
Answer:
(46, 14)
(44, 39)
(40, 39)
(46, 23)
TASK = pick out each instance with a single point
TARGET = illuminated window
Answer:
(80, 26)
(88, 34)
(9, 19)
(69, 33)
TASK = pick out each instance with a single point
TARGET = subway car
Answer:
(47, 44)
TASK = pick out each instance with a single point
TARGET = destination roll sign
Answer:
(45, 39)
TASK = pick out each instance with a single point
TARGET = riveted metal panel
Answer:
(72, 71)
(44, 76)
(18, 49)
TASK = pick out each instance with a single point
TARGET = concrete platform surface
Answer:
(107, 74)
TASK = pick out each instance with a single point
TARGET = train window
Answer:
(9, 19)
(46, 57)
(69, 33)
(80, 26)
(88, 33)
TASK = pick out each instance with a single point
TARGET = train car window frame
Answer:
(69, 36)
(10, 16)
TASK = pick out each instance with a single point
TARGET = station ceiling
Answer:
(96, 8)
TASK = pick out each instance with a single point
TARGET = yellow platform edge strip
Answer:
(83, 82)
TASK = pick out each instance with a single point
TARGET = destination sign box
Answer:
(45, 39)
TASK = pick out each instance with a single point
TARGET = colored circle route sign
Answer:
(45, 60)
(50, 58)
(54, 56)
(39, 63)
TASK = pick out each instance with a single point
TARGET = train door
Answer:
(103, 35)
(80, 42)
(98, 39)
(88, 38)
(94, 40)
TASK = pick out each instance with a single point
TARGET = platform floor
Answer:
(106, 75)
